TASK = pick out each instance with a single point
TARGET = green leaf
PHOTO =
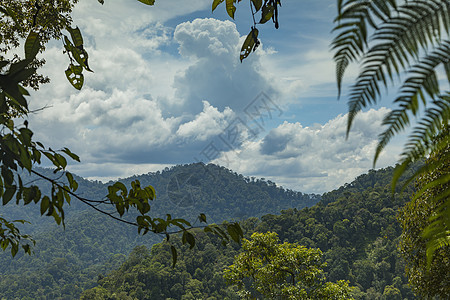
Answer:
(257, 4)
(189, 238)
(231, 9)
(266, 14)
(25, 158)
(145, 208)
(26, 248)
(150, 192)
(13, 92)
(14, 249)
(9, 12)
(216, 3)
(72, 183)
(234, 232)
(75, 76)
(9, 193)
(202, 218)
(174, 256)
(18, 66)
(7, 175)
(23, 91)
(32, 45)
(250, 44)
(76, 36)
(120, 186)
(220, 232)
(148, 2)
(71, 154)
(61, 160)
(25, 136)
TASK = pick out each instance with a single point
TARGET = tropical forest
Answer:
(237, 149)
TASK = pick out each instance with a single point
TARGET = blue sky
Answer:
(168, 83)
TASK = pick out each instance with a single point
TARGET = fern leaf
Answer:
(421, 76)
(397, 43)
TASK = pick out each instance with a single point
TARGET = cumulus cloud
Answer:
(161, 92)
(208, 123)
(316, 158)
(217, 74)
(124, 113)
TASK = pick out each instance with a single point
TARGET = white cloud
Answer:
(207, 124)
(125, 111)
(161, 91)
(217, 74)
(314, 159)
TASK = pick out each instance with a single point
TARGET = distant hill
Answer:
(68, 261)
(183, 191)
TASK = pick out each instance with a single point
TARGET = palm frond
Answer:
(421, 79)
(355, 18)
(397, 43)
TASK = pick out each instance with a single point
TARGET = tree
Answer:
(37, 22)
(281, 271)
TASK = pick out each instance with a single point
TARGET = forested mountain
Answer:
(355, 226)
(66, 262)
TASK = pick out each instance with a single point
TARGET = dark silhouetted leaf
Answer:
(174, 256)
(148, 2)
(250, 44)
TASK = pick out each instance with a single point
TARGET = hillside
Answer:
(66, 262)
(355, 226)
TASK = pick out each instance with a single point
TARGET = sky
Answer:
(168, 88)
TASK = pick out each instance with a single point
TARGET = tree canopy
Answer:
(281, 271)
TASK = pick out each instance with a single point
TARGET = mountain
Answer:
(355, 226)
(66, 262)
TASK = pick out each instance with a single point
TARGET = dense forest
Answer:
(66, 262)
(355, 226)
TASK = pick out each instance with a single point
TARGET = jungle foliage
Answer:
(354, 227)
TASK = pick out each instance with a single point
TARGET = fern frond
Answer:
(422, 142)
(397, 43)
(437, 233)
(351, 41)
(438, 147)
(418, 144)
(422, 77)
